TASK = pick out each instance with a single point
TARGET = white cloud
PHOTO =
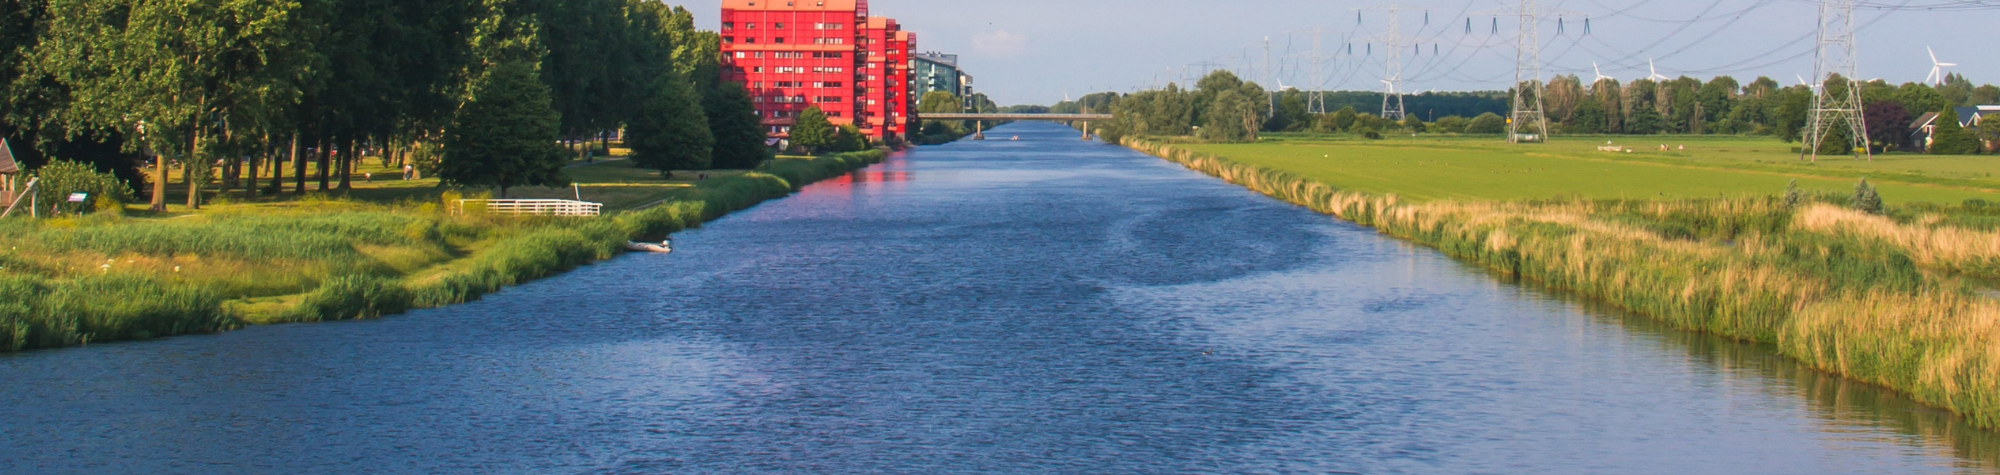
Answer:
(1000, 44)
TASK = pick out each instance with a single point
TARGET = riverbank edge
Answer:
(553, 250)
(1815, 328)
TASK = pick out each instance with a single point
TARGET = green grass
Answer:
(379, 249)
(1477, 168)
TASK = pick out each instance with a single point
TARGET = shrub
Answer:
(1865, 200)
(1488, 123)
(61, 178)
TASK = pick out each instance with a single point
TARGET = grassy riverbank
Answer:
(1887, 299)
(109, 277)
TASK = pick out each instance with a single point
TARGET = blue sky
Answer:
(1036, 51)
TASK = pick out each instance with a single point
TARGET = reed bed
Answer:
(1872, 298)
(67, 282)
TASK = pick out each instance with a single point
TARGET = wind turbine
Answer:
(1937, 68)
(1600, 73)
(1656, 71)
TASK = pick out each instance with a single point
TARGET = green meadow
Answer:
(1486, 168)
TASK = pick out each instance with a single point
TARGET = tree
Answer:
(1888, 125)
(1948, 138)
(671, 131)
(733, 122)
(1589, 117)
(1793, 110)
(1920, 97)
(1645, 121)
(939, 102)
(1561, 96)
(1988, 133)
(1231, 117)
(812, 130)
(1291, 114)
(505, 136)
(1208, 90)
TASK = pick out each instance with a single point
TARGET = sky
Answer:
(1041, 51)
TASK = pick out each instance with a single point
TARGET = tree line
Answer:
(1643, 107)
(484, 93)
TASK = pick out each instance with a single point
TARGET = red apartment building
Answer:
(886, 80)
(796, 54)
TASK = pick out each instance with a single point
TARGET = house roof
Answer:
(7, 165)
(1924, 121)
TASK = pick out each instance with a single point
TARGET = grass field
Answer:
(1483, 168)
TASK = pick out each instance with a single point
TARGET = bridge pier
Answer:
(1086, 131)
(980, 131)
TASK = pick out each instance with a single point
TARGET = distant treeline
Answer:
(1676, 106)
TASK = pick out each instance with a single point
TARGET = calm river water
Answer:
(1035, 306)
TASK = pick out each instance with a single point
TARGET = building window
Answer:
(759, 54)
(780, 26)
(778, 40)
(751, 40)
(728, 25)
(752, 26)
(739, 55)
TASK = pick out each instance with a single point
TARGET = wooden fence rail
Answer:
(536, 207)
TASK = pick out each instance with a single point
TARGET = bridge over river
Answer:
(980, 133)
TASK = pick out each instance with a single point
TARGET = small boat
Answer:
(1017, 138)
(664, 247)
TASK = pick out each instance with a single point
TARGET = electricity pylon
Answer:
(1392, 77)
(1838, 55)
(1530, 115)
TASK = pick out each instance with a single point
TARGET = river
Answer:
(1035, 306)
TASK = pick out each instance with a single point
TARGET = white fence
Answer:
(537, 207)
